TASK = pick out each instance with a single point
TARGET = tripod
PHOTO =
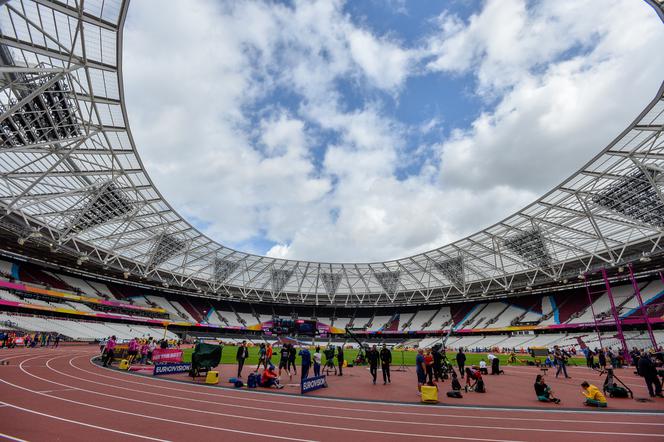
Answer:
(611, 382)
(402, 367)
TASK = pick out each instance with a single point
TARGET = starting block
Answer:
(124, 364)
(212, 377)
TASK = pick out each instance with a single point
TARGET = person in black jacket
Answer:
(283, 359)
(372, 358)
(461, 361)
(636, 355)
(385, 361)
(291, 360)
(647, 369)
(437, 364)
(241, 356)
(340, 359)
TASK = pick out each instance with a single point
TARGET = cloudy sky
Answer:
(361, 131)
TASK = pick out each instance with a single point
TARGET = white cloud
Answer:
(553, 116)
(320, 178)
(383, 62)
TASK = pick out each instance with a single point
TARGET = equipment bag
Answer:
(238, 384)
(617, 391)
(429, 394)
(454, 394)
(252, 382)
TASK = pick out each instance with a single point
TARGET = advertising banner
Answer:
(160, 355)
(170, 368)
(313, 383)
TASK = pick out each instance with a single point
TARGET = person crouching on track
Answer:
(385, 361)
(372, 358)
(317, 360)
(270, 379)
(594, 397)
(109, 352)
(474, 380)
(543, 391)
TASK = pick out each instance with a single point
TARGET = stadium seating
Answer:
(83, 330)
(570, 307)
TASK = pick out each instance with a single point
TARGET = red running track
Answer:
(60, 395)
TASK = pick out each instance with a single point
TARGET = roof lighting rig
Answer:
(330, 282)
(530, 246)
(165, 246)
(453, 270)
(103, 204)
(223, 268)
(635, 196)
(37, 107)
(389, 281)
(279, 279)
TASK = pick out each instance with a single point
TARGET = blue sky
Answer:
(361, 131)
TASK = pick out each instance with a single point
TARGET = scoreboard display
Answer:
(293, 326)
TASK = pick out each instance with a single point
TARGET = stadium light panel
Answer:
(223, 268)
(530, 246)
(331, 282)
(279, 279)
(389, 281)
(165, 247)
(453, 270)
(43, 108)
(635, 197)
(104, 204)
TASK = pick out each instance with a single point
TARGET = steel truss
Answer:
(69, 167)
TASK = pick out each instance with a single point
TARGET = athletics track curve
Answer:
(61, 395)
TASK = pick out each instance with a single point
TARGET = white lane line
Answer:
(85, 404)
(162, 405)
(262, 401)
(57, 390)
(84, 424)
(309, 414)
(253, 419)
(14, 438)
(387, 403)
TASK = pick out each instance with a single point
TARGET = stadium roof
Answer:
(71, 175)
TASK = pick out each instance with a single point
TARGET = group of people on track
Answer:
(12, 339)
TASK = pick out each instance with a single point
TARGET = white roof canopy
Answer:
(68, 164)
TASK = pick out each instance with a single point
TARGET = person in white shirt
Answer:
(490, 356)
(483, 369)
(317, 360)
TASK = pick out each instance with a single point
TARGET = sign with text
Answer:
(171, 368)
(166, 355)
(313, 383)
